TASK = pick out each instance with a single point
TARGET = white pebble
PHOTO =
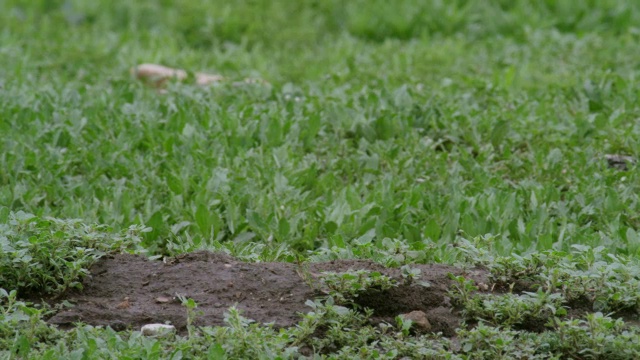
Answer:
(157, 329)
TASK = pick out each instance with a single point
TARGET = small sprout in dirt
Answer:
(191, 305)
(404, 325)
(476, 251)
(234, 318)
(461, 290)
(343, 287)
(412, 274)
(302, 269)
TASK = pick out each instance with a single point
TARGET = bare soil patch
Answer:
(129, 291)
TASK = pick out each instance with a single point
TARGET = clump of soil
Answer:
(129, 291)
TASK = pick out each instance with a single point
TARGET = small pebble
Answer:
(419, 319)
(157, 329)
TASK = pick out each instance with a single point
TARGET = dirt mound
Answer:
(129, 291)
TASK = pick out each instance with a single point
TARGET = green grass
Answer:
(415, 139)
(409, 127)
(387, 126)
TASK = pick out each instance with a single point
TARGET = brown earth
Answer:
(129, 291)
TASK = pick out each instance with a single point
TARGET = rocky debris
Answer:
(157, 75)
(420, 321)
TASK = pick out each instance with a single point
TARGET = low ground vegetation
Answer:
(495, 139)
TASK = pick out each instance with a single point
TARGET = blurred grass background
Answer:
(411, 120)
